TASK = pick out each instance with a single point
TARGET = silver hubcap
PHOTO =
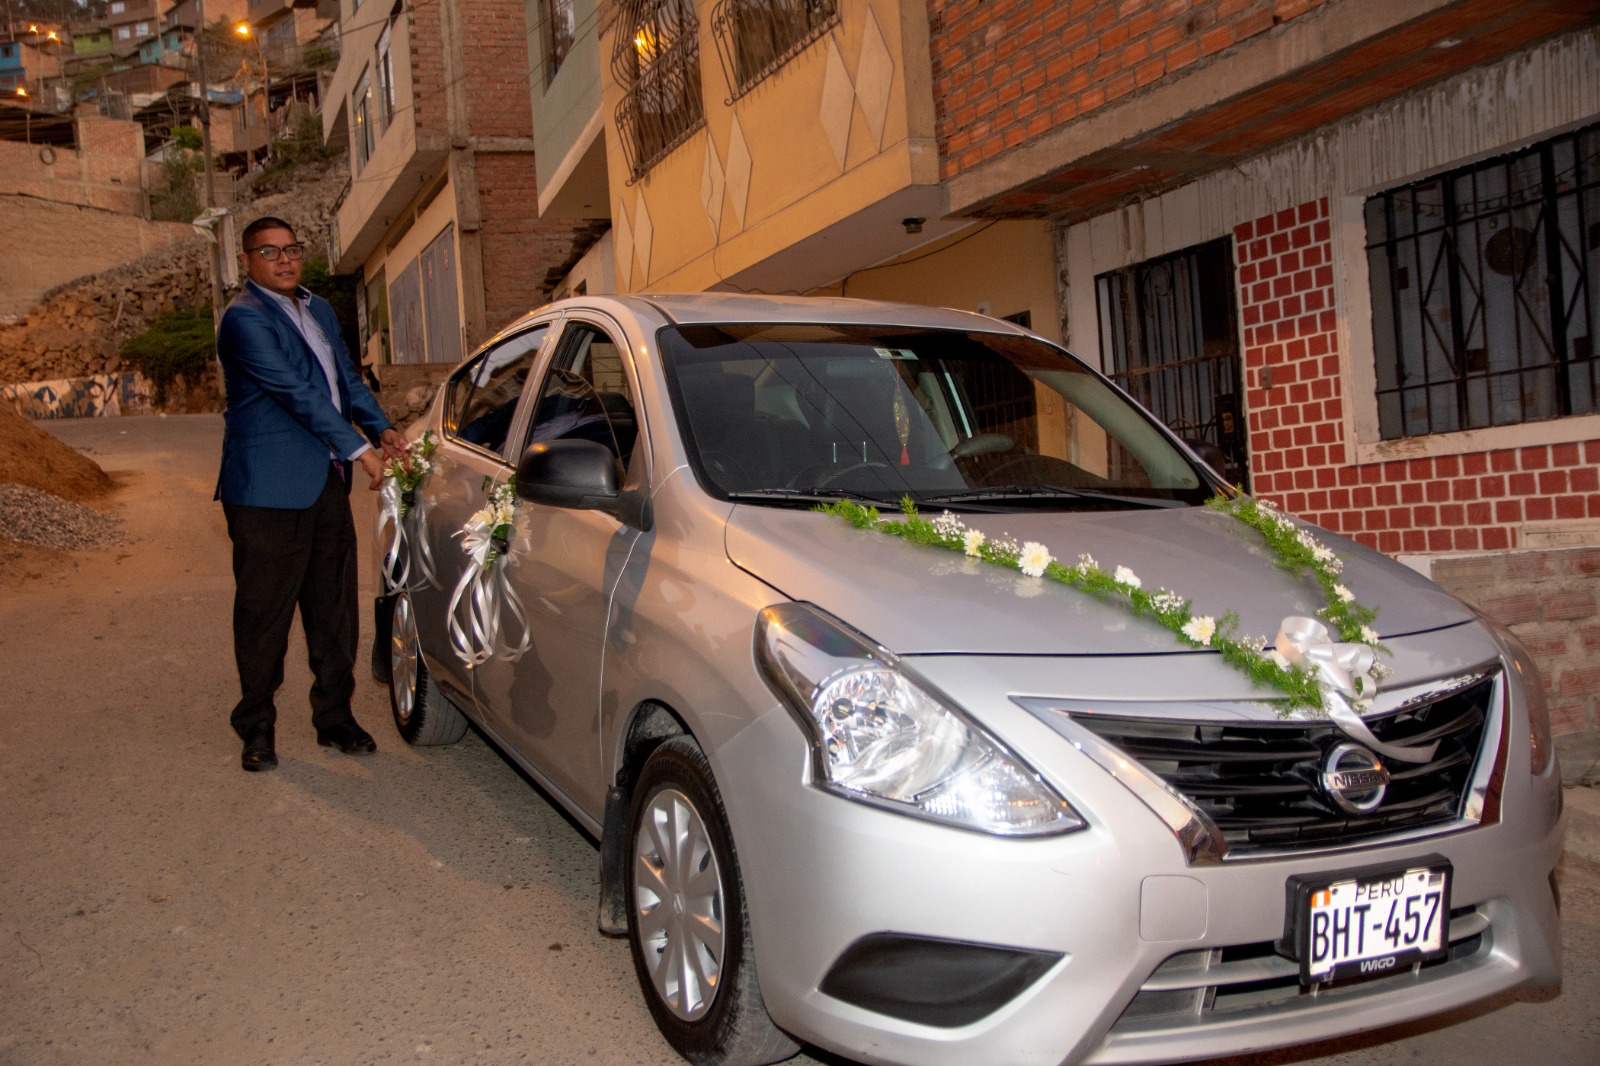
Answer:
(678, 890)
(403, 658)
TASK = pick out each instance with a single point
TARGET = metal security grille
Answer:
(1482, 310)
(656, 58)
(1169, 326)
(756, 37)
(1258, 781)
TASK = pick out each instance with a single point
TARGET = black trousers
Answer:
(284, 559)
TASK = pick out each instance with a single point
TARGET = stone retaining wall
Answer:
(78, 329)
(1549, 600)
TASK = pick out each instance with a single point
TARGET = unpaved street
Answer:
(159, 906)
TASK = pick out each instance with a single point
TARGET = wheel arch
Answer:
(651, 724)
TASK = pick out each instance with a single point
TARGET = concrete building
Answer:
(441, 217)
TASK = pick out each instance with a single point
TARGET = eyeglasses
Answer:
(270, 252)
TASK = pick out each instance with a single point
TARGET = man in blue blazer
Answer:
(288, 454)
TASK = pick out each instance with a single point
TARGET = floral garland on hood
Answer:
(1313, 671)
(484, 588)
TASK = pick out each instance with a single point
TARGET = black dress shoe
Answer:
(348, 738)
(259, 753)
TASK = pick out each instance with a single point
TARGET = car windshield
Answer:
(797, 412)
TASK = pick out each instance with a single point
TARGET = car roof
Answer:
(722, 307)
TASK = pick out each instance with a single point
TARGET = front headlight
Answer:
(882, 736)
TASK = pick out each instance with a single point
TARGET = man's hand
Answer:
(393, 444)
(372, 463)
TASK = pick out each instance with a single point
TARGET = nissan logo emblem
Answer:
(1354, 779)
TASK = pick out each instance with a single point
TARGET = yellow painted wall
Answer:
(1003, 267)
(796, 185)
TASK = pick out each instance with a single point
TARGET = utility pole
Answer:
(205, 112)
(217, 251)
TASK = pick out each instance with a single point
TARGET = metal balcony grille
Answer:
(1258, 782)
(656, 58)
(756, 37)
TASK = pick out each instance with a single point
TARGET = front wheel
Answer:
(422, 714)
(686, 917)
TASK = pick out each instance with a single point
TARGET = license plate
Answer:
(1370, 922)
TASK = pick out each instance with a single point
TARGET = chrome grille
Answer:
(1259, 781)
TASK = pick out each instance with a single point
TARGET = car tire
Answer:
(422, 714)
(687, 922)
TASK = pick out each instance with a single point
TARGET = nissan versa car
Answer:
(910, 805)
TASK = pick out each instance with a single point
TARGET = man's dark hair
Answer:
(265, 222)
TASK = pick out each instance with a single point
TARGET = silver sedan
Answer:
(932, 704)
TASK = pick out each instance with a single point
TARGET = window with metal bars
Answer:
(1482, 309)
(756, 37)
(656, 59)
(1169, 329)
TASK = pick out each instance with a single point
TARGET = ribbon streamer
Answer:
(408, 550)
(1338, 665)
(482, 593)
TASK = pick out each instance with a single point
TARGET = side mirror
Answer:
(579, 475)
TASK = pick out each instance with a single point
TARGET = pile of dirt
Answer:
(29, 456)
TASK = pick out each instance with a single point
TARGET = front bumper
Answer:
(1133, 928)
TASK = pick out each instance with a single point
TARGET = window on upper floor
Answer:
(141, 29)
(124, 33)
(1483, 310)
(363, 135)
(756, 37)
(117, 7)
(656, 58)
(560, 29)
(385, 66)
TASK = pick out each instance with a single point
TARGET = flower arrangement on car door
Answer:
(408, 563)
(484, 607)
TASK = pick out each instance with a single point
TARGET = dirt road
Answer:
(159, 906)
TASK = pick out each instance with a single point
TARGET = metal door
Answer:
(1169, 327)
(440, 299)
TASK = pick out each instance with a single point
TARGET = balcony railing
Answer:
(756, 37)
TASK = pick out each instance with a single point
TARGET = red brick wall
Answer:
(427, 70)
(1008, 70)
(1299, 456)
(495, 58)
(508, 198)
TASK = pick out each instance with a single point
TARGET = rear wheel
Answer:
(422, 714)
(686, 917)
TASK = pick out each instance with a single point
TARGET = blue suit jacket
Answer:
(281, 420)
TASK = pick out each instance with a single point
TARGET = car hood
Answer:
(918, 600)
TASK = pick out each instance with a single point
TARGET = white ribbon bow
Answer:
(1344, 673)
(408, 548)
(484, 591)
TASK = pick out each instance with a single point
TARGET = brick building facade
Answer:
(1377, 214)
(433, 102)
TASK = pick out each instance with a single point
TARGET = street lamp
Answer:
(243, 30)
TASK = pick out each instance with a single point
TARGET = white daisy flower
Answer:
(1201, 629)
(1369, 635)
(973, 541)
(1344, 594)
(1034, 558)
(1124, 576)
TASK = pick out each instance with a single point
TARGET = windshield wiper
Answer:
(1003, 493)
(803, 495)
